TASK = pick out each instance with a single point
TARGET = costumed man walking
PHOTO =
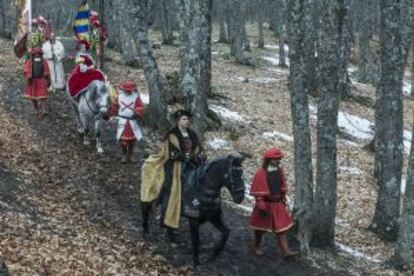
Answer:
(37, 75)
(269, 189)
(163, 174)
(129, 108)
(54, 53)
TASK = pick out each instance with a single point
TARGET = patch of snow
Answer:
(275, 60)
(273, 46)
(351, 170)
(350, 143)
(225, 113)
(356, 253)
(358, 127)
(215, 53)
(352, 69)
(145, 98)
(258, 80)
(218, 143)
(274, 134)
(407, 136)
(406, 88)
(403, 185)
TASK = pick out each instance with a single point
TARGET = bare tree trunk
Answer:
(2, 17)
(344, 81)
(167, 10)
(389, 115)
(221, 14)
(310, 44)
(135, 12)
(331, 34)
(300, 119)
(412, 68)
(281, 23)
(237, 37)
(260, 42)
(404, 249)
(195, 25)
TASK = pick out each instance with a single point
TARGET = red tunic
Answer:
(127, 133)
(38, 88)
(277, 218)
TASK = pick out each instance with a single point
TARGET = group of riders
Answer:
(182, 151)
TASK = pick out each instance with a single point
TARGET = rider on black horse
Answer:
(167, 172)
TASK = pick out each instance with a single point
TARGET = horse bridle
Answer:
(95, 112)
(230, 177)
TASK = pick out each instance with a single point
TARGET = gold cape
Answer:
(153, 175)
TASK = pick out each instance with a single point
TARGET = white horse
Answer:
(91, 104)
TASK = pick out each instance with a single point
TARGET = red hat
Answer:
(273, 153)
(128, 86)
(85, 59)
(36, 51)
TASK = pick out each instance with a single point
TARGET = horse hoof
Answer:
(86, 143)
(100, 150)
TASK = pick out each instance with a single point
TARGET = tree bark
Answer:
(332, 23)
(300, 119)
(135, 13)
(195, 25)
(344, 81)
(311, 31)
(281, 23)
(412, 68)
(260, 15)
(404, 250)
(221, 15)
(237, 31)
(389, 115)
(167, 10)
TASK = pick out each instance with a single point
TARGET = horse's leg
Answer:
(217, 221)
(145, 209)
(84, 123)
(81, 129)
(98, 135)
(195, 239)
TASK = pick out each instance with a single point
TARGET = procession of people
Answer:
(166, 172)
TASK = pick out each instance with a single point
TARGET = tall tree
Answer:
(404, 247)
(220, 6)
(166, 9)
(195, 25)
(412, 69)
(300, 119)
(281, 23)
(312, 15)
(331, 46)
(389, 115)
(237, 31)
(135, 12)
(366, 18)
(260, 16)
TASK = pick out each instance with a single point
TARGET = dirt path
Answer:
(90, 200)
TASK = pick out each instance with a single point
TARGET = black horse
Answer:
(204, 190)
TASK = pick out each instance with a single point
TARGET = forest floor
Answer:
(66, 210)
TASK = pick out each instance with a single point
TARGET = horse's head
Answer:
(101, 97)
(234, 180)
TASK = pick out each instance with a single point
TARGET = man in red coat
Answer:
(37, 75)
(129, 109)
(270, 214)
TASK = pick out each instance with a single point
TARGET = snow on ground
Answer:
(273, 47)
(356, 253)
(270, 135)
(275, 60)
(351, 170)
(145, 98)
(225, 113)
(403, 185)
(218, 143)
(356, 126)
(406, 88)
(257, 80)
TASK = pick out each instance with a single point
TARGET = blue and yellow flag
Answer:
(81, 25)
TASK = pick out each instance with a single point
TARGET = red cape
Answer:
(259, 186)
(78, 82)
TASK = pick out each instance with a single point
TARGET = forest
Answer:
(328, 82)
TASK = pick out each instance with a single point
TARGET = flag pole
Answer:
(30, 16)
